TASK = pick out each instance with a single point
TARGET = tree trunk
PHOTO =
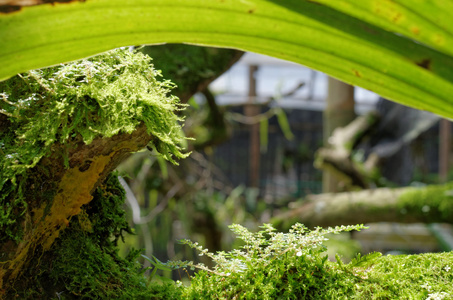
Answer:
(339, 112)
(444, 149)
(430, 204)
(55, 194)
(60, 243)
(381, 139)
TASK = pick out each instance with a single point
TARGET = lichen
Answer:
(98, 97)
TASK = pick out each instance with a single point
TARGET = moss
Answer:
(389, 277)
(431, 203)
(294, 266)
(407, 277)
(98, 97)
(84, 262)
(190, 66)
(271, 265)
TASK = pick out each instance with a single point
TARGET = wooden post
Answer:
(252, 110)
(444, 149)
(339, 112)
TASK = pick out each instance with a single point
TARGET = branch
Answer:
(71, 188)
(337, 156)
(429, 204)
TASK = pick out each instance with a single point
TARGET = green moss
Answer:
(294, 266)
(84, 262)
(188, 66)
(407, 277)
(272, 265)
(98, 97)
(432, 203)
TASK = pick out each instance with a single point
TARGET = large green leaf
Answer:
(426, 21)
(399, 50)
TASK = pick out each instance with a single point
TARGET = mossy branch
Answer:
(65, 129)
(426, 204)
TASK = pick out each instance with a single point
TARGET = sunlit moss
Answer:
(406, 277)
(98, 97)
(294, 266)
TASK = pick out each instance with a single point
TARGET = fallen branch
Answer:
(428, 204)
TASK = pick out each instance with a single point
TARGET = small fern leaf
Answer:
(361, 261)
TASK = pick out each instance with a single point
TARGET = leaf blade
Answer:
(314, 35)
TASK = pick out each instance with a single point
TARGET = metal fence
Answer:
(286, 167)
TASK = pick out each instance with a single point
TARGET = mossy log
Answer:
(428, 204)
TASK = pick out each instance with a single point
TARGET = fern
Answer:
(364, 261)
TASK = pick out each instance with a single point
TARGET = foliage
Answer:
(401, 50)
(190, 67)
(294, 266)
(98, 97)
(270, 265)
(84, 263)
(194, 200)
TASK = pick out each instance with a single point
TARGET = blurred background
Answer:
(265, 142)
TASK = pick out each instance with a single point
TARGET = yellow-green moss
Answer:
(294, 266)
(98, 97)
(406, 277)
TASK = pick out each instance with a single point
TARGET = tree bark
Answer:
(335, 156)
(56, 193)
(339, 112)
(430, 204)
